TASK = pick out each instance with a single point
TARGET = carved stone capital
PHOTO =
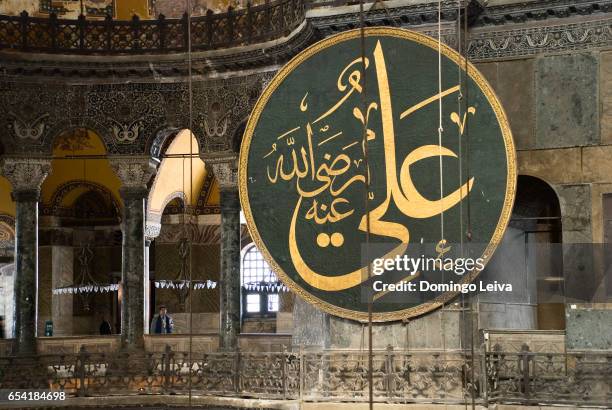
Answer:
(225, 168)
(134, 173)
(152, 230)
(26, 176)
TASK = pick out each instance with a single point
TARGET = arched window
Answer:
(258, 283)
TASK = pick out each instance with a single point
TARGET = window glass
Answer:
(255, 268)
(253, 303)
(272, 303)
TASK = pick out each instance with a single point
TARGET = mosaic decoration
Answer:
(92, 8)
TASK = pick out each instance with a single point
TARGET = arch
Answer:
(160, 142)
(157, 145)
(69, 173)
(92, 206)
(176, 175)
(63, 130)
(69, 193)
(536, 218)
(178, 196)
(7, 231)
(536, 203)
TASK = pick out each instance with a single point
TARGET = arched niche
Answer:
(528, 258)
(80, 208)
(181, 174)
(79, 160)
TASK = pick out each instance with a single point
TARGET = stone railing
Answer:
(250, 25)
(200, 343)
(577, 378)
(325, 376)
(73, 344)
(514, 340)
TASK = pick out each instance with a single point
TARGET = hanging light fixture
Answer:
(86, 285)
(183, 284)
(268, 287)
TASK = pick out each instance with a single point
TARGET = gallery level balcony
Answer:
(234, 28)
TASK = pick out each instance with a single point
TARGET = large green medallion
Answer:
(341, 164)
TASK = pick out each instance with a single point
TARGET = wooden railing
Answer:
(250, 25)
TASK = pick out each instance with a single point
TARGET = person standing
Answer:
(162, 323)
(105, 327)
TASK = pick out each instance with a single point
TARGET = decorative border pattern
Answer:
(54, 207)
(129, 117)
(525, 42)
(540, 10)
(510, 181)
(7, 234)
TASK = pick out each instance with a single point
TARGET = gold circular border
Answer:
(502, 120)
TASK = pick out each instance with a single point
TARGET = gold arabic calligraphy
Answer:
(400, 189)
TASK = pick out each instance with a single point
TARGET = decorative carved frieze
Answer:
(224, 106)
(528, 41)
(152, 230)
(25, 129)
(522, 12)
(329, 21)
(225, 168)
(26, 175)
(130, 115)
(134, 173)
(128, 118)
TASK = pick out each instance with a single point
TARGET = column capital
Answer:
(152, 230)
(225, 168)
(134, 173)
(26, 176)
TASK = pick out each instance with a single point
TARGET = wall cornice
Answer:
(496, 32)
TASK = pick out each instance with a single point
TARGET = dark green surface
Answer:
(413, 77)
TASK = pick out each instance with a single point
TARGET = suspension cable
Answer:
(190, 90)
(367, 190)
(440, 126)
(460, 139)
(469, 211)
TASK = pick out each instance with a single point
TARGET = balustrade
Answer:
(323, 376)
(236, 27)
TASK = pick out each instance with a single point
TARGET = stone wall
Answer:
(205, 264)
(588, 328)
(7, 304)
(448, 328)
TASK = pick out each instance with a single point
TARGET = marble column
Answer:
(225, 170)
(147, 286)
(26, 176)
(134, 173)
(152, 230)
